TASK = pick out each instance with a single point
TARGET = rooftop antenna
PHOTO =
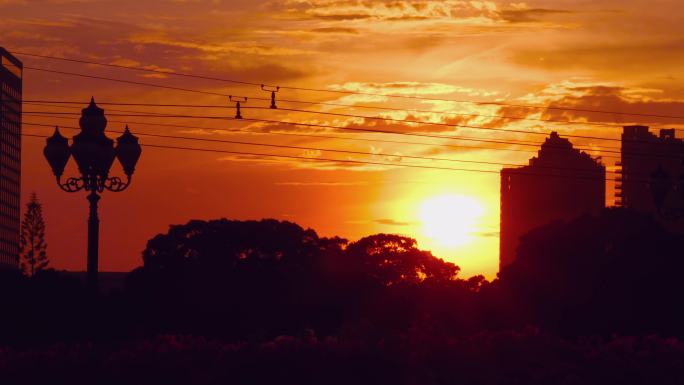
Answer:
(273, 91)
(237, 100)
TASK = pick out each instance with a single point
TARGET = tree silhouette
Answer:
(619, 271)
(266, 277)
(224, 246)
(238, 277)
(391, 259)
(32, 239)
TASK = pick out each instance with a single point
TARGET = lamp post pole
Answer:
(93, 240)
(94, 154)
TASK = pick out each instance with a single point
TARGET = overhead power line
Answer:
(230, 118)
(420, 123)
(437, 124)
(330, 160)
(128, 81)
(346, 128)
(461, 137)
(353, 161)
(345, 92)
(314, 148)
(292, 147)
(600, 148)
(605, 151)
(347, 115)
(403, 121)
(320, 136)
(360, 106)
(211, 140)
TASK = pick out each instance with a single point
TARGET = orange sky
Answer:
(613, 55)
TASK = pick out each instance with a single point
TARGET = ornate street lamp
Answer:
(94, 154)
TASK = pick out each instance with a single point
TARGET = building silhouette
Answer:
(646, 156)
(10, 158)
(560, 183)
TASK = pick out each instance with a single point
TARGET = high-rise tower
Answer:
(560, 183)
(11, 71)
(651, 177)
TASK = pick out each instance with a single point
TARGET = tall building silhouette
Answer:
(560, 183)
(11, 71)
(643, 155)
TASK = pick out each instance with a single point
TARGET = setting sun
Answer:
(450, 220)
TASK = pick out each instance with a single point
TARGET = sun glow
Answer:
(450, 220)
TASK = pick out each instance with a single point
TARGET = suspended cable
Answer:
(241, 131)
(409, 121)
(346, 92)
(447, 137)
(398, 156)
(397, 120)
(535, 144)
(238, 115)
(357, 106)
(351, 161)
(428, 123)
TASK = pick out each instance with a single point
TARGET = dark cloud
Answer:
(352, 31)
(381, 10)
(460, 148)
(408, 18)
(666, 112)
(585, 103)
(392, 222)
(342, 17)
(269, 72)
(290, 129)
(369, 126)
(445, 124)
(529, 15)
(635, 57)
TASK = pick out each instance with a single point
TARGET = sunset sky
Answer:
(624, 56)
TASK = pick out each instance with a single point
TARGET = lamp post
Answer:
(94, 154)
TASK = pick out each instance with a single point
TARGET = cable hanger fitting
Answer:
(273, 91)
(237, 100)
